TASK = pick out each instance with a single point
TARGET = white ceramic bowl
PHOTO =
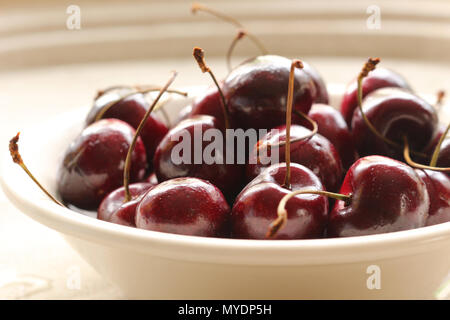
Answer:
(154, 265)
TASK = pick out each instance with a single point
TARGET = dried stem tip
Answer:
(297, 63)
(196, 7)
(440, 97)
(199, 56)
(241, 34)
(369, 66)
(14, 149)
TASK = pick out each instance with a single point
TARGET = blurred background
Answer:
(55, 55)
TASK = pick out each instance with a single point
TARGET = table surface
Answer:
(35, 261)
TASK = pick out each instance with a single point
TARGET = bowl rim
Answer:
(213, 250)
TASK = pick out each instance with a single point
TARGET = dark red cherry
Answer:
(429, 149)
(316, 153)
(120, 206)
(113, 201)
(188, 206)
(94, 162)
(321, 88)
(209, 103)
(333, 127)
(256, 206)
(394, 113)
(386, 196)
(126, 214)
(189, 132)
(256, 92)
(438, 187)
(444, 154)
(131, 110)
(443, 159)
(378, 78)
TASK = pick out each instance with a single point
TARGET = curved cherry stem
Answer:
(239, 36)
(290, 99)
(370, 66)
(415, 164)
(134, 90)
(137, 88)
(200, 7)
(126, 171)
(17, 158)
(281, 220)
(199, 56)
(437, 149)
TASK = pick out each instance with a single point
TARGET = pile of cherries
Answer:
(384, 152)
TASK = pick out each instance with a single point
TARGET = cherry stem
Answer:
(437, 149)
(126, 172)
(200, 7)
(134, 90)
(136, 87)
(370, 66)
(17, 158)
(439, 98)
(281, 220)
(415, 164)
(290, 98)
(199, 56)
(239, 36)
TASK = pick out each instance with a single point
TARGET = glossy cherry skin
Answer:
(113, 201)
(152, 179)
(227, 177)
(255, 207)
(394, 113)
(438, 187)
(256, 92)
(333, 127)
(188, 206)
(316, 153)
(429, 149)
(378, 78)
(93, 164)
(319, 83)
(209, 103)
(444, 154)
(386, 196)
(131, 110)
(444, 151)
(126, 213)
